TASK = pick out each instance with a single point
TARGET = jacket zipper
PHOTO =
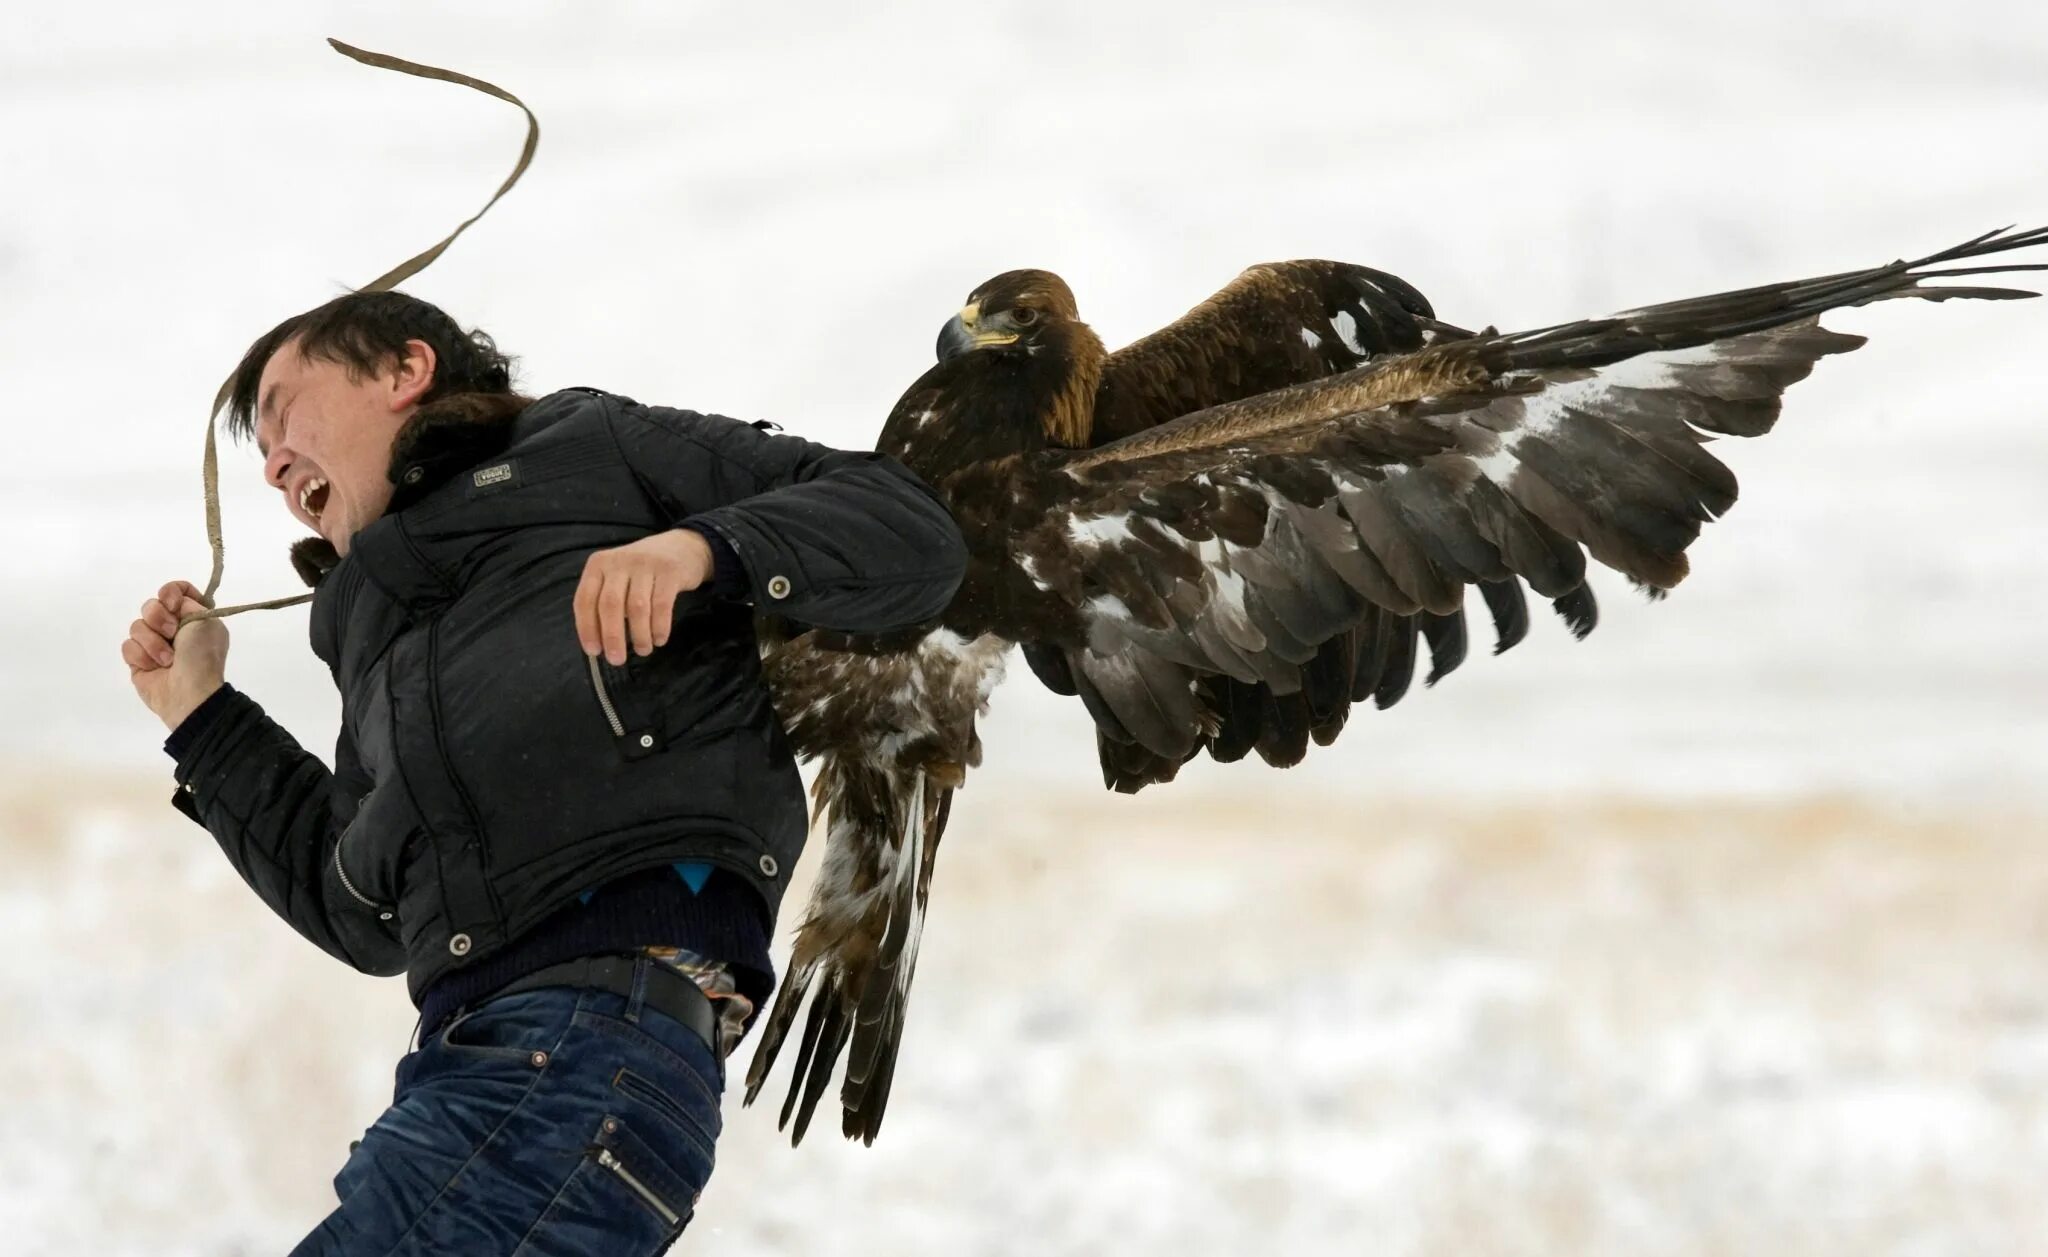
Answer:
(604, 699)
(350, 886)
(612, 1163)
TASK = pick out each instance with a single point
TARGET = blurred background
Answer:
(1721, 931)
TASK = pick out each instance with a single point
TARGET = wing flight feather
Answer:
(1172, 574)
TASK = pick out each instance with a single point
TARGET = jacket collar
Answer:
(451, 434)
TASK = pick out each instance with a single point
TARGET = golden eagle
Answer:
(1224, 535)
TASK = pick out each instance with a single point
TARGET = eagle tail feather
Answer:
(856, 951)
(775, 1031)
(819, 1028)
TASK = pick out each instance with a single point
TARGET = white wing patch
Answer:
(1654, 370)
(1029, 566)
(1545, 412)
(1346, 328)
(1100, 529)
(1309, 338)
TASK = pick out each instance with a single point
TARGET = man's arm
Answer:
(277, 813)
(832, 538)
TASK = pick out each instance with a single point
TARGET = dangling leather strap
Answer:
(389, 279)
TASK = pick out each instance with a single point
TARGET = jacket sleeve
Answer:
(277, 813)
(831, 538)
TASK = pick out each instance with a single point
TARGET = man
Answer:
(561, 802)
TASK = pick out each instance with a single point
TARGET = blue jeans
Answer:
(561, 1120)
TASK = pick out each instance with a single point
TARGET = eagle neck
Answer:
(1075, 353)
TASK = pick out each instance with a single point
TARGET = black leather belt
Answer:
(668, 991)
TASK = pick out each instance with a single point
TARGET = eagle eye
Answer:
(1023, 316)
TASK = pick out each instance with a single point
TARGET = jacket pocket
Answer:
(359, 888)
(626, 708)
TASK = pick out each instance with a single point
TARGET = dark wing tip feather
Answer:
(1399, 670)
(1510, 612)
(1580, 611)
(1447, 644)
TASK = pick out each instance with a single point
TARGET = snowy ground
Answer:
(1506, 1015)
(1155, 1028)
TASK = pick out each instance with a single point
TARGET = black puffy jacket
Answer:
(487, 770)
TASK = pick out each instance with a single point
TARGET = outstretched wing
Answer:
(1274, 325)
(1278, 323)
(1240, 541)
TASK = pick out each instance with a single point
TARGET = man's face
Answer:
(326, 439)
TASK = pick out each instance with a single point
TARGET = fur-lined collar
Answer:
(439, 440)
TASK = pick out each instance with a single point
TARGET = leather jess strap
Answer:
(389, 279)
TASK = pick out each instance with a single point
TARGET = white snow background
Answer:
(1347, 1007)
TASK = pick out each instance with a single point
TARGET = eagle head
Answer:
(1015, 308)
(1032, 315)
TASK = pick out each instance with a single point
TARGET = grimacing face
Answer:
(326, 439)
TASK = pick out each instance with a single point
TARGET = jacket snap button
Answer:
(413, 474)
(768, 866)
(778, 587)
(611, 1126)
(459, 944)
(383, 916)
(647, 739)
(539, 1059)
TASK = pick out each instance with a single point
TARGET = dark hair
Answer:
(364, 331)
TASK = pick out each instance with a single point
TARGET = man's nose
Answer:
(276, 465)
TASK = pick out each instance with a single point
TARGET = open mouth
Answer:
(313, 497)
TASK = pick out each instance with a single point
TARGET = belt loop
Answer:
(638, 998)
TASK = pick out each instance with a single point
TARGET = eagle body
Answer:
(1223, 537)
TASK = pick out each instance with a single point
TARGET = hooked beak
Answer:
(961, 334)
(954, 339)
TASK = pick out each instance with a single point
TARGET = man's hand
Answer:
(173, 669)
(633, 589)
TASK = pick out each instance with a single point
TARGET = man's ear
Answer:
(413, 375)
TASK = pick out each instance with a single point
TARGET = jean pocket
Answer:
(699, 1122)
(666, 1185)
(523, 1028)
(623, 1197)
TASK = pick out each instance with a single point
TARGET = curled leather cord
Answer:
(389, 279)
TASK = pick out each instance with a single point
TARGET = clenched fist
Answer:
(174, 669)
(632, 590)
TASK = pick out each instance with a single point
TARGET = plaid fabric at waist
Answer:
(716, 935)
